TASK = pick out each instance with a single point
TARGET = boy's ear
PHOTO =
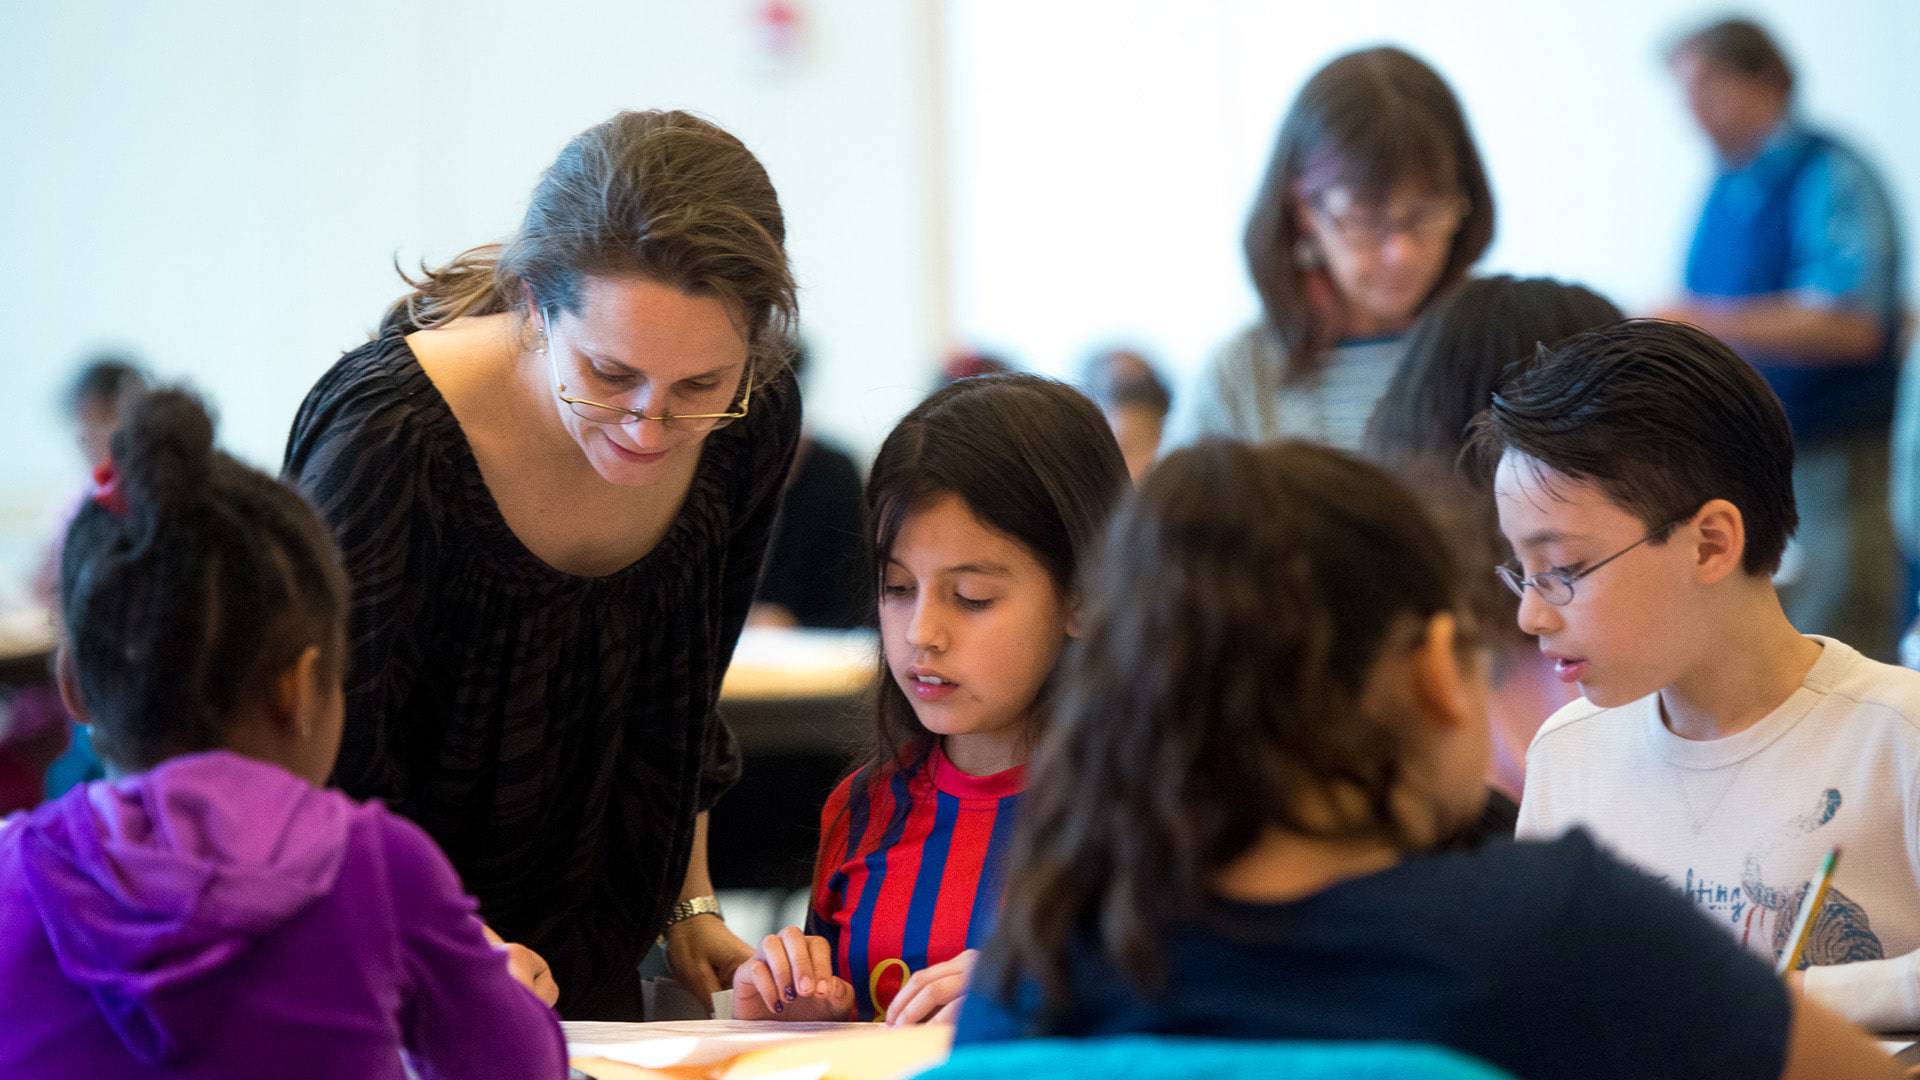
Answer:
(1721, 541)
(1440, 680)
(296, 693)
(67, 678)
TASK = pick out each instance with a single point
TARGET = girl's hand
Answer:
(934, 994)
(527, 968)
(704, 955)
(790, 977)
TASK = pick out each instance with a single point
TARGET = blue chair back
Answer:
(1155, 1057)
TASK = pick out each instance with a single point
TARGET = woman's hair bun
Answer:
(163, 451)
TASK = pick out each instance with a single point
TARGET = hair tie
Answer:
(106, 489)
(873, 983)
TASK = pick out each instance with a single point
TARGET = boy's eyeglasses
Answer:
(1556, 586)
(614, 414)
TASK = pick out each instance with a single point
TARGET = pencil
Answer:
(1809, 911)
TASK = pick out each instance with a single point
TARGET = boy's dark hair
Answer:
(1662, 417)
(109, 378)
(1031, 457)
(1230, 632)
(185, 601)
(1743, 47)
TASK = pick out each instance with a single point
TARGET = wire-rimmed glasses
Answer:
(602, 413)
(1556, 586)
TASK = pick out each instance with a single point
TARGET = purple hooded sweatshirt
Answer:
(219, 916)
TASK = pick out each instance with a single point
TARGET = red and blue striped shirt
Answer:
(909, 870)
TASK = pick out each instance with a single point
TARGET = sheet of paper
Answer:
(687, 1042)
(881, 1052)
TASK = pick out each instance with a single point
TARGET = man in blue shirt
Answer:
(1796, 264)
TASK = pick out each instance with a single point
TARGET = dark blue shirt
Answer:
(1545, 959)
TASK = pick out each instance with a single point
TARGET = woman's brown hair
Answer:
(666, 196)
(1369, 121)
(1229, 634)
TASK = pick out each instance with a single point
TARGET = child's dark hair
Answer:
(204, 582)
(1122, 378)
(1460, 350)
(1370, 120)
(1662, 417)
(108, 378)
(1031, 458)
(1229, 633)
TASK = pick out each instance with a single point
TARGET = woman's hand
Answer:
(704, 954)
(527, 967)
(933, 994)
(790, 977)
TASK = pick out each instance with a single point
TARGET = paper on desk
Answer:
(878, 1053)
(687, 1042)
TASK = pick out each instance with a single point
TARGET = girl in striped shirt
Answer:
(984, 501)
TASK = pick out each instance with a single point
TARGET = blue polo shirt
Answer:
(1807, 215)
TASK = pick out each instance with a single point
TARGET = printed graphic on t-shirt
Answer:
(1764, 912)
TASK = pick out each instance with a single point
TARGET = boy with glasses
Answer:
(1644, 479)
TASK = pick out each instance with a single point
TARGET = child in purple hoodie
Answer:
(209, 910)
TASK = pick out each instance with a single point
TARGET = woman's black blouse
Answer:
(557, 735)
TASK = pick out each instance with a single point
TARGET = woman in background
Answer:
(1374, 201)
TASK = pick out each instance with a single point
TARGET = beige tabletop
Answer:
(26, 633)
(772, 664)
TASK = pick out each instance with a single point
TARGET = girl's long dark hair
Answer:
(1031, 457)
(1228, 633)
(1370, 121)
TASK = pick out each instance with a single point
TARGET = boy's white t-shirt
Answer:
(1741, 824)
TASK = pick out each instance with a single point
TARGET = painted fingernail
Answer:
(790, 993)
(779, 1006)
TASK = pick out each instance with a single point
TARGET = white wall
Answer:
(1106, 150)
(223, 185)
